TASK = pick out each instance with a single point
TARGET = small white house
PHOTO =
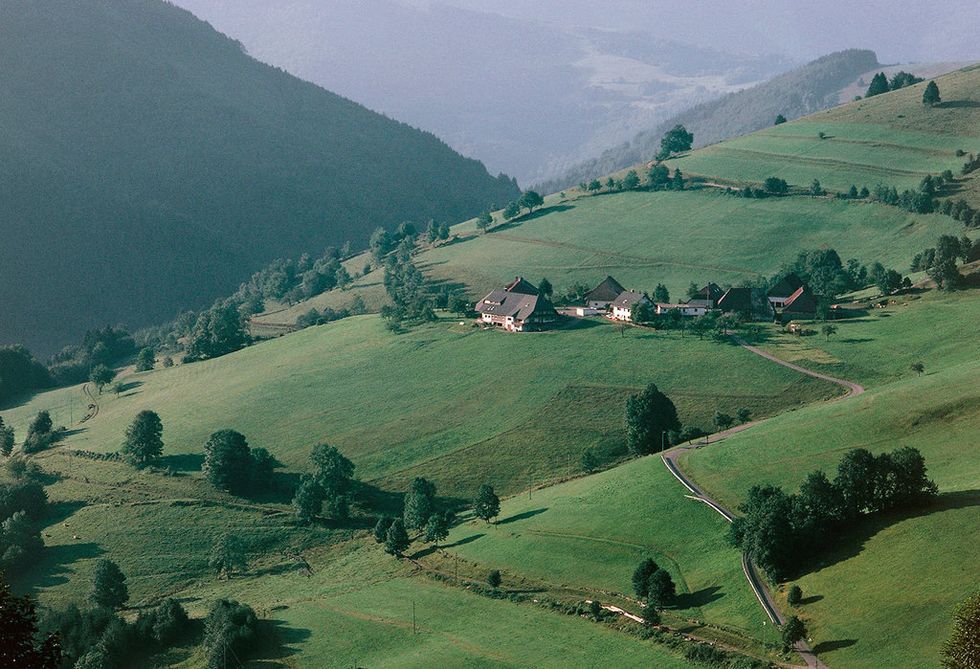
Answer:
(623, 306)
(689, 310)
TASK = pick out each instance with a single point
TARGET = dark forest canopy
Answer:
(151, 165)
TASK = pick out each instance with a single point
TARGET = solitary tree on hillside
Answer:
(794, 630)
(649, 415)
(144, 439)
(484, 221)
(795, 595)
(227, 461)
(780, 119)
(419, 503)
(827, 330)
(641, 577)
(109, 585)
(530, 200)
(144, 360)
(661, 589)
(228, 555)
(493, 579)
(380, 531)
(722, 420)
(676, 140)
(101, 376)
(396, 539)
(918, 368)
(962, 649)
(308, 499)
(930, 96)
(437, 527)
(486, 505)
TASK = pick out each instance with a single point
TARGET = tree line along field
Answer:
(885, 596)
(511, 410)
(891, 139)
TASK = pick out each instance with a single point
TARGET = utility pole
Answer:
(413, 617)
(663, 436)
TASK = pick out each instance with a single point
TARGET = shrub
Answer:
(795, 595)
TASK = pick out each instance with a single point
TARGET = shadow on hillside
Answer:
(465, 540)
(827, 646)
(184, 462)
(855, 340)
(522, 516)
(543, 211)
(812, 599)
(852, 541)
(279, 641)
(958, 104)
(129, 385)
(691, 600)
(572, 323)
(58, 512)
(55, 566)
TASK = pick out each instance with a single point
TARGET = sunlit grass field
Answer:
(453, 403)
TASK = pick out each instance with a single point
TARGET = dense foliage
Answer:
(780, 532)
(230, 630)
(229, 464)
(20, 646)
(649, 416)
(962, 649)
(144, 439)
(20, 373)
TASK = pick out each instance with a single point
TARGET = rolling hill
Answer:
(150, 165)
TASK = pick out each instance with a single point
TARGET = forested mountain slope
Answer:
(149, 165)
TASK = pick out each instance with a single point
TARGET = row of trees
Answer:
(880, 83)
(658, 179)
(421, 514)
(780, 532)
(939, 262)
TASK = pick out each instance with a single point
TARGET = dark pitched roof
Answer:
(629, 298)
(802, 301)
(517, 305)
(697, 302)
(736, 299)
(710, 292)
(607, 291)
(522, 286)
(786, 286)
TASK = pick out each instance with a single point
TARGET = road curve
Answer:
(670, 458)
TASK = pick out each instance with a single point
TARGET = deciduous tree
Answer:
(228, 555)
(648, 415)
(144, 439)
(486, 506)
(962, 649)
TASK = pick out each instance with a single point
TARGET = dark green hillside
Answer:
(149, 164)
(811, 88)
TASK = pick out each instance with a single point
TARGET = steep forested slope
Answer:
(149, 164)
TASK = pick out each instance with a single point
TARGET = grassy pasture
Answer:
(935, 328)
(505, 408)
(591, 532)
(891, 139)
(677, 238)
(885, 598)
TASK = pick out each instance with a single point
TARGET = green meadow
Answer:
(591, 532)
(892, 139)
(454, 403)
(885, 596)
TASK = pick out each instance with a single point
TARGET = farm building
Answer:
(802, 304)
(748, 303)
(517, 308)
(710, 293)
(626, 302)
(688, 309)
(780, 293)
(604, 294)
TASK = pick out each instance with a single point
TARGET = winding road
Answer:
(671, 457)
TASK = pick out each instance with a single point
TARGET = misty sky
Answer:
(899, 30)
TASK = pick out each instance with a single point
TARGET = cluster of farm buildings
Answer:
(519, 306)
